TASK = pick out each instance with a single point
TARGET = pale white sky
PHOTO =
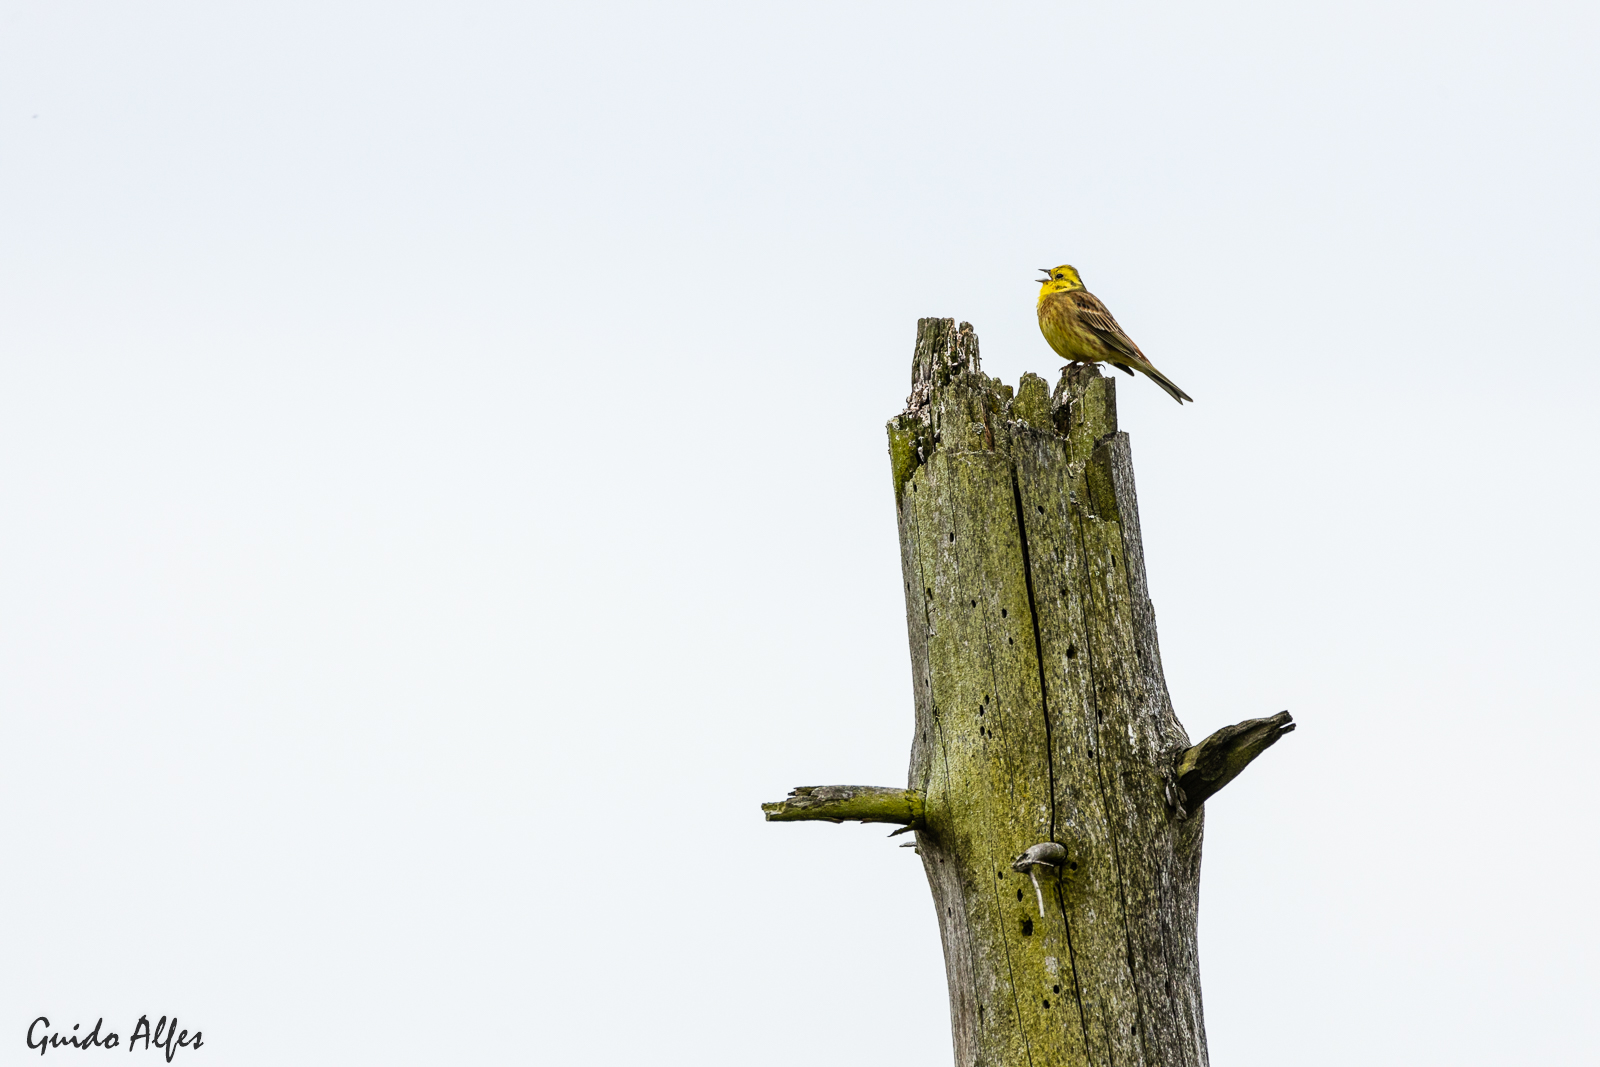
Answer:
(443, 492)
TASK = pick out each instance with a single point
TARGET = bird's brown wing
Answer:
(1094, 315)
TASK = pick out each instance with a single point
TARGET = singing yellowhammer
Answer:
(1080, 328)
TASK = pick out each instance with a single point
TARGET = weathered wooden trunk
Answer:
(1042, 720)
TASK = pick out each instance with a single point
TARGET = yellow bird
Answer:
(1080, 328)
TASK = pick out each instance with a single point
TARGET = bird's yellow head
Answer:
(1062, 279)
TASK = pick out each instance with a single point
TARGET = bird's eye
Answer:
(1060, 276)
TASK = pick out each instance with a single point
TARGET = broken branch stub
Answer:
(1204, 769)
(854, 803)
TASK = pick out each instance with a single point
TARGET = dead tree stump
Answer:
(1054, 795)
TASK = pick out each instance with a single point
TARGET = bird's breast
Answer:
(1061, 328)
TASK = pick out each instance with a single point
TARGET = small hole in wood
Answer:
(1072, 866)
(1002, 613)
(952, 536)
(1041, 509)
(1019, 894)
(1055, 989)
(974, 603)
(1072, 651)
(1047, 1002)
(1027, 927)
(1009, 641)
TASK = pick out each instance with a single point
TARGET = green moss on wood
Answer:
(856, 803)
(1100, 485)
(1032, 404)
(905, 438)
(1092, 412)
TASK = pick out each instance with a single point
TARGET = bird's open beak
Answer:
(1046, 272)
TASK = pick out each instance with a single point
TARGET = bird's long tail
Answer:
(1166, 383)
